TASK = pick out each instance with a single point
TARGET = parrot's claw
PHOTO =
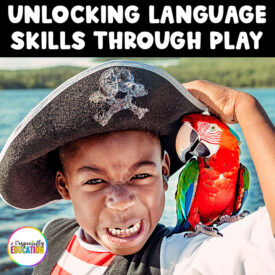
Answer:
(231, 219)
(201, 228)
(244, 213)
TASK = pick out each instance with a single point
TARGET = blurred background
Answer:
(24, 82)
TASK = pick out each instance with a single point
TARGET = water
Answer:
(15, 104)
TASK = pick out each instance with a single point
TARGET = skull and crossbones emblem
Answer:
(117, 88)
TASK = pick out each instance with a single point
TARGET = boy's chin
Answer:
(125, 251)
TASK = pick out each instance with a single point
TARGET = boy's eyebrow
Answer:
(89, 169)
(143, 163)
(101, 170)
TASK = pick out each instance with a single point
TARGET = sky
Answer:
(35, 63)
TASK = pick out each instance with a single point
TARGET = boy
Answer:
(114, 170)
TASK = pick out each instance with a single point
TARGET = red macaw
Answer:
(213, 184)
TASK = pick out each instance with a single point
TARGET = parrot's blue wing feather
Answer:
(185, 194)
(242, 188)
(188, 198)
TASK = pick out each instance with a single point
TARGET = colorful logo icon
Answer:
(27, 246)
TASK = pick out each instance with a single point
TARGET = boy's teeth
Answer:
(137, 226)
(125, 232)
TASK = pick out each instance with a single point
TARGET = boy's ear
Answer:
(165, 183)
(61, 185)
(165, 169)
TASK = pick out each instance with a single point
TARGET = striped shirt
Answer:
(82, 257)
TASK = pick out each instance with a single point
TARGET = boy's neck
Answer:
(88, 239)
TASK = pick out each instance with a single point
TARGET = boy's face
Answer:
(116, 186)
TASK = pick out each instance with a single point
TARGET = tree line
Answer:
(233, 72)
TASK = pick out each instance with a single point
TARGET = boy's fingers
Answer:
(219, 99)
(201, 96)
(196, 93)
(201, 85)
(200, 89)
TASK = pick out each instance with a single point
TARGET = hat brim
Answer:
(116, 95)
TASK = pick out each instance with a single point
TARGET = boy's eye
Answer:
(140, 176)
(94, 181)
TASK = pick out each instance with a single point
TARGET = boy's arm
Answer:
(233, 106)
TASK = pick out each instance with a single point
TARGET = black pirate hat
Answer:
(116, 95)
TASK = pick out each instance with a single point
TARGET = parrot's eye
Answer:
(213, 128)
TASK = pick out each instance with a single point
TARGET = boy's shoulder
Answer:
(60, 226)
(58, 233)
(243, 244)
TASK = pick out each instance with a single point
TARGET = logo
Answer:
(27, 246)
(117, 88)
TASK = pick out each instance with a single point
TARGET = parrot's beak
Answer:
(188, 143)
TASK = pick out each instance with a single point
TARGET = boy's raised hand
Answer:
(233, 106)
(220, 100)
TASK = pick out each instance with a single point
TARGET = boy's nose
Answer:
(120, 198)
